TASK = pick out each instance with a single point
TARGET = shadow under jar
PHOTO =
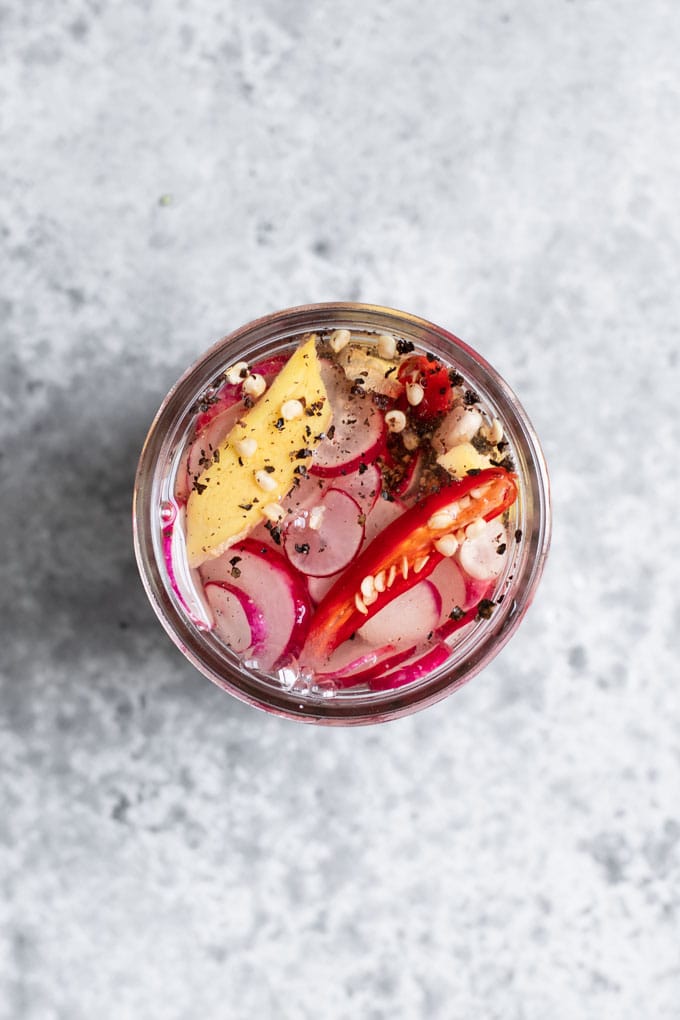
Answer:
(385, 558)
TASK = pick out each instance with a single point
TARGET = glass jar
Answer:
(155, 510)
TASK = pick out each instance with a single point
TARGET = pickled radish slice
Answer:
(407, 620)
(265, 577)
(417, 668)
(451, 585)
(238, 620)
(383, 513)
(318, 586)
(321, 541)
(200, 454)
(483, 557)
(358, 428)
(363, 485)
(357, 662)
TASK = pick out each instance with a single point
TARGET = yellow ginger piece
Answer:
(231, 493)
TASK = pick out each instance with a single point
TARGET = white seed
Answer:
(265, 481)
(404, 567)
(494, 432)
(442, 519)
(475, 528)
(245, 447)
(360, 604)
(464, 502)
(316, 517)
(446, 545)
(476, 493)
(367, 587)
(273, 512)
(395, 421)
(291, 409)
(339, 339)
(379, 581)
(460, 535)
(254, 385)
(414, 393)
(410, 440)
(237, 373)
(391, 576)
(463, 424)
(387, 346)
(370, 599)
(420, 563)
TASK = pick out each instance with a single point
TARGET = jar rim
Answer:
(158, 447)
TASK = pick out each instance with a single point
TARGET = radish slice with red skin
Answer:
(359, 430)
(328, 549)
(363, 485)
(451, 585)
(318, 586)
(238, 620)
(420, 666)
(356, 662)
(202, 448)
(406, 620)
(479, 556)
(266, 577)
(230, 393)
(409, 483)
(383, 513)
(476, 590)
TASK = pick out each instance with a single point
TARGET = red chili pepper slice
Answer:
(403, 555)
(433, 376)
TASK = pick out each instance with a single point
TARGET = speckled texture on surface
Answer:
(171, 169)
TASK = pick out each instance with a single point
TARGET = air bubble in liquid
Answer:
(168, 512)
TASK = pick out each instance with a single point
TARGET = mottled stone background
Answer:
(170, 169)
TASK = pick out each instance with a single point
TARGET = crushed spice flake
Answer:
(518, 535)
(470, 398)
(279, 424)
(485, 609)
(456, 613)
(473, 471)
(455, 378)
(501, 548)
(199, 487)
(481, 443)
(303, 548)
(405, 346)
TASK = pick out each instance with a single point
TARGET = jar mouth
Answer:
(481, 642)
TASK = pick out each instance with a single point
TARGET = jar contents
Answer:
(345, 512)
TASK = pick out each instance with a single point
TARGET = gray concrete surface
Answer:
(171, 169)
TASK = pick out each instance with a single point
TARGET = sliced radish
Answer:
(225, 398)
(383, 513)
(406, 620)
(451, 585)
(184, 582)
(363, 485)
(322, 540)
(479, 557)
(476, 590)
(238, 620)
(357, 662)
(277, 590)
(202, 449)
(358, 426)
(409, 483)
(318, 586)
(421, 665)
